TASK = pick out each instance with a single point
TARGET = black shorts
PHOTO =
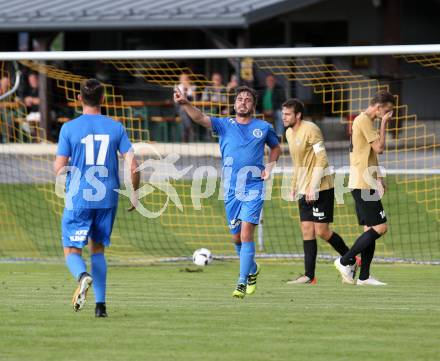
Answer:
(369, 211)
(319, 211)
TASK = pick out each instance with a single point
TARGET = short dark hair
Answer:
(246, 89)
(91, 92)
(295, 104)
(383, 97)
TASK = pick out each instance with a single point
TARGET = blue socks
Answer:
(76, 265)
(247, 254)
(99, 275)
(238, 250)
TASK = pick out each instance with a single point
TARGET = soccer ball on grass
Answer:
(202, 257)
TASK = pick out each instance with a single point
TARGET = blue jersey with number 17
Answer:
(92, 142)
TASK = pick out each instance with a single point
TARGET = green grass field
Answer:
(163, 312)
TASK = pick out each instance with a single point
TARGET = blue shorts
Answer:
(78, 225)
(242, 211)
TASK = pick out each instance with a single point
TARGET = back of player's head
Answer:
(295, 104)
(383, 97)
(246, 89)
(92, 92)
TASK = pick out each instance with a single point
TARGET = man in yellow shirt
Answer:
(313, 185)
(367, 185)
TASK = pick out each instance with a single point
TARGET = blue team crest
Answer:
(257, 133)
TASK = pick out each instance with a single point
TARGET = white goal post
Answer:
(376, 50)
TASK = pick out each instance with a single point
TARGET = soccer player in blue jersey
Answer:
(89, 146)
(242, 141)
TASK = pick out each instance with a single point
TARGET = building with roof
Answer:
(132, 23)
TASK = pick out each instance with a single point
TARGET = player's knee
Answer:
(324, 234)
(96, 247)
(247, 232)
(323, 231)
(384, 228)
(72, 250)
(381, 228)
(308, 230)
(247, 238)
(236, 239)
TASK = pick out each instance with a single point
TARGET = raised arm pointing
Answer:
(195, 114)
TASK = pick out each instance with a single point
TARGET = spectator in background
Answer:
(271, 100)
(216, 99)
(189, 91)
(5, 113)
(230, 89)
(31, 98)
(216, 94)
(5, 85)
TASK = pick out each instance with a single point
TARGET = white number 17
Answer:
(90, 148)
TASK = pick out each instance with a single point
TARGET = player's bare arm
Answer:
(135, 178)
(321, 163)
(195, 114)
(379, 144)
(382, 187)
(274, 154)
(59, 164)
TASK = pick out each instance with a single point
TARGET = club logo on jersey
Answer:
(298, 142)
(257, 133)
(382, 214)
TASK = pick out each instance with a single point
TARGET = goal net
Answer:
(182, 206)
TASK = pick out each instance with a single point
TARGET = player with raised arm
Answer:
(313, 184)
(89, 146)
(242, 141)
(367, 185)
